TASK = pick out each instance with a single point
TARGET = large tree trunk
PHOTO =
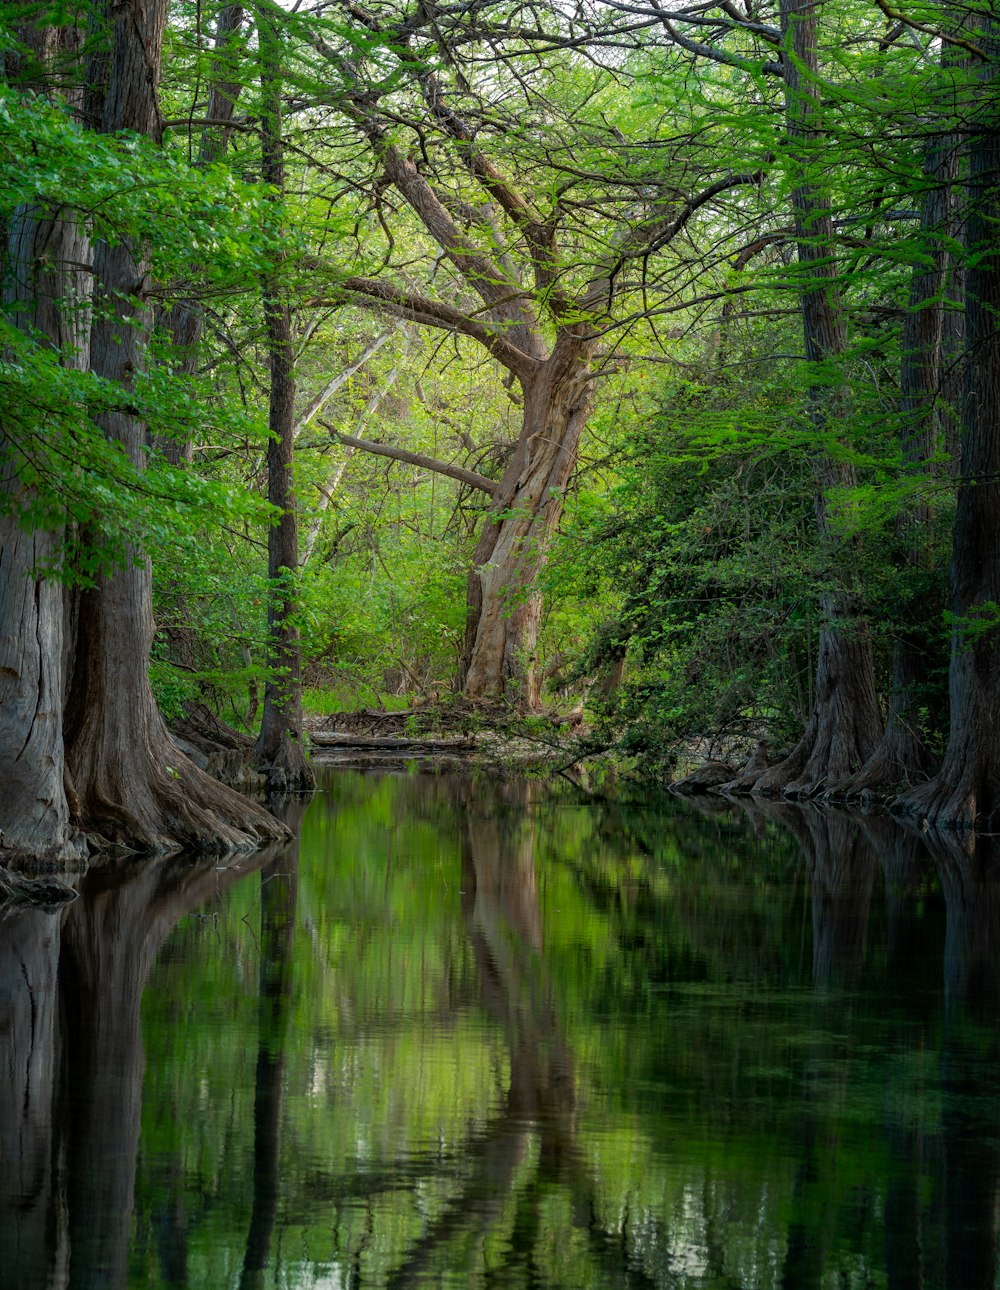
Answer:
(845, 725)
(279, 753)
(132, 784)
(902, 756)
(47, 290)
(504, 603)
(966, 791)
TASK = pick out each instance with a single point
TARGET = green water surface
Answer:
(475, 1033)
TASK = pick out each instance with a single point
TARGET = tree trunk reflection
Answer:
(32, 1239)
(111, 938)
(278, 893)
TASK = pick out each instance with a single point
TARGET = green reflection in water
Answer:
(468, 1033)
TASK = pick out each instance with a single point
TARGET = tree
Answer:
(965, 792)
(125, 778)
(47, 290)
(279, 747)
(549, 264)
(845, 723)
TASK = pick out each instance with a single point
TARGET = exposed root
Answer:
(967, 801)
(710, 775)
(170, 805)
(286, 770)
(898, 763)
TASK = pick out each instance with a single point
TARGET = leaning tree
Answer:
(519, 196)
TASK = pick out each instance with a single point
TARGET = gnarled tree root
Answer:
(897, 764)
(964, 797)
(166, 805)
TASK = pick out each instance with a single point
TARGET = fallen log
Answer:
(390, 743)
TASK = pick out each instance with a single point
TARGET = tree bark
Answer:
(48, 292)
(132, 784)
(504, 602)
(845, 725)
(965, 793)
(279, 752)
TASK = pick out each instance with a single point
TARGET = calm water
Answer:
(475, 1034)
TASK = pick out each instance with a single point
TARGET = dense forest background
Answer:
(636, 355)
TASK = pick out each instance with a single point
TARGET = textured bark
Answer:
(504, 603)
(279, 753)
(132, 784)
(845, 725)
(966, 791)
(34, 815)
(47, 292)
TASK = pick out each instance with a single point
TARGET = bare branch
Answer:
(333, 385)
(718, 55)
(470, 477)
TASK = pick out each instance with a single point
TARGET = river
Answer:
(472, 1032)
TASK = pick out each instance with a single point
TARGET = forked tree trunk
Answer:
(132, 784)
(279, 753)
(845, 725)
(966, 791)
(504, 601)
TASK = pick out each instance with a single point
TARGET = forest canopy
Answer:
(633, 359)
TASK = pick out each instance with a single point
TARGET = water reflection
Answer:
(474, 1034)
(72, 986)
(278, 891)
(30, 1238)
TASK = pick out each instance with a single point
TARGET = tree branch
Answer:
(717, 55)
(644, 243)
(539, 235)
(432, 313)
(334, 384)
(895, 16)
(470, 477)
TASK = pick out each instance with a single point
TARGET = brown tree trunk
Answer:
(133, 785)
(279, 753)
(845, 725)
(504, 602)
(966, 791)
